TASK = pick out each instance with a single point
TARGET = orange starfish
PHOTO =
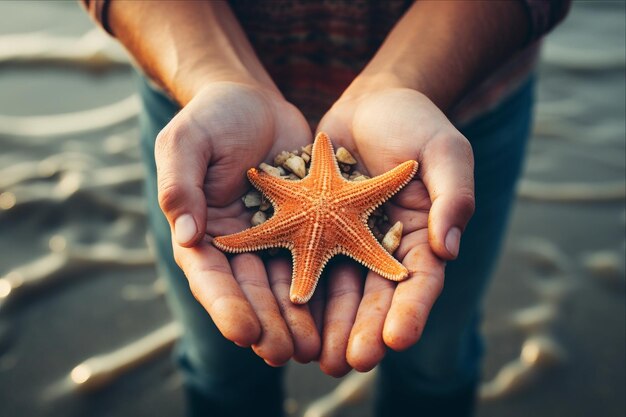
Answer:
(321, 216)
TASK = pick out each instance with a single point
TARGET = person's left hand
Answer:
(383, 129)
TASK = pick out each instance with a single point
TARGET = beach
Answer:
(84, 325)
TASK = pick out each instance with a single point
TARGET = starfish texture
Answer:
(321, 216)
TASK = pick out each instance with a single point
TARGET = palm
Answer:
(379, 149)
(241, 127)
(232, 127)
(385, 129)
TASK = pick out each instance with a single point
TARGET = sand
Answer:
(84, 329)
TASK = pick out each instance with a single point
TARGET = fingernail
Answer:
(184, 229)
(453, 239)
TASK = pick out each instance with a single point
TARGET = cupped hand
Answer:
(383, 129)
(202, 156)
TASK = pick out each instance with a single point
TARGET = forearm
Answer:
(185, 45)
(443, 48)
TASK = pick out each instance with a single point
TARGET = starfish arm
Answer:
(320, 216)
(276, 232)
(369, 194)
(277, 190)
(361, 245)
(324, 168)
(307, 269)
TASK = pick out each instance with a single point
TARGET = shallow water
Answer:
(79, 297)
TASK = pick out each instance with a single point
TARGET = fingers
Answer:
(275, 345)
(448, 173)
(181, 160)
(317, 304)
(344, 291)
(306, 338)
(365, 346)
(212, 283)
(414, 298)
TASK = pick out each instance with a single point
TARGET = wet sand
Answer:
(84, 329)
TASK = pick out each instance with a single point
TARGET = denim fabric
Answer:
(438, 375)
(221, 379)
(445, 363)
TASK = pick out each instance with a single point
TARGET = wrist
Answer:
(368, 83)
(396, 75)
(183, 46)
(373, 82)
(443, 49)
(187, 84)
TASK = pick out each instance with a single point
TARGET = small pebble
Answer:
(281, 158)
(296, 165)
(252, 199)
(308, 149)
(258, 218)
(305, 157)
(344, 156)
(265, 205)
(391, 241)
(268, 169)
(360, 178)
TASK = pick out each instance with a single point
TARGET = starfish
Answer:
(321, 216)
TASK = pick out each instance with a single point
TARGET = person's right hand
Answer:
(202, 156)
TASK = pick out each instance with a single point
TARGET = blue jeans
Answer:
(439, 374)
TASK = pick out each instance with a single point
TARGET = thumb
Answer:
(448, 173)
(181, 161)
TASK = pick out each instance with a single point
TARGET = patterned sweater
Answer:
(314, 49)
